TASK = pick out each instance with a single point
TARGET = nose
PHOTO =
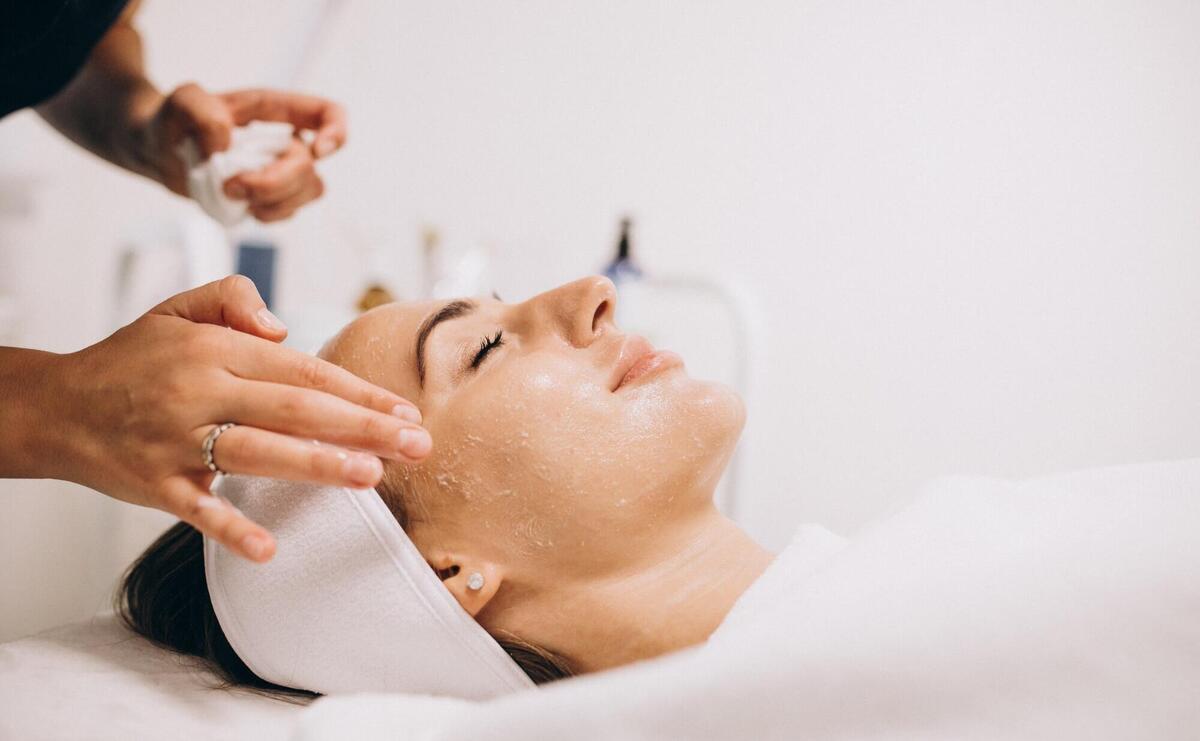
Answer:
(581, 310)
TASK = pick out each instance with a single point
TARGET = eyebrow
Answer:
(452, 310)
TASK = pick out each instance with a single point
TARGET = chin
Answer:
(714, 415)
(727, 414)
(718, 401)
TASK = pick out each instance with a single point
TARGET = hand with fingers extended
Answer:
(131, 413)
(276, 191)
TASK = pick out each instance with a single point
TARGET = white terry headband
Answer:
(348, 604)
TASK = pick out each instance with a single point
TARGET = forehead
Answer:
(378, 346)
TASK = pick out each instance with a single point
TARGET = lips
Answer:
(638, 358)
(650, 363)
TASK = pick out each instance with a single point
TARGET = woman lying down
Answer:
(564, 525)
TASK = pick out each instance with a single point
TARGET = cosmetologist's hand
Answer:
(132, 411)
(276, 191)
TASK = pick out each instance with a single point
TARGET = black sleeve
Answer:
(43, 43)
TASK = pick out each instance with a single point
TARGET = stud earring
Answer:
(475, 581)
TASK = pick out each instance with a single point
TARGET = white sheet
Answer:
(1059, 608)
(96, 680)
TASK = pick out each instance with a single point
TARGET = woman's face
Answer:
(561, 445)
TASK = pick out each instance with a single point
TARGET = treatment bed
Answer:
(97, 680)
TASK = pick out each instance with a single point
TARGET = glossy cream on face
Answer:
(536, 462)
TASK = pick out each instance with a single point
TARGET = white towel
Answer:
(252, 147)
(348, 604)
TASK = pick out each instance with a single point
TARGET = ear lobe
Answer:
(461, 578)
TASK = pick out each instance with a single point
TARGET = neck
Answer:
(679, 593)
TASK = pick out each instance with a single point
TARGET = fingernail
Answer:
(323, 147)
(269, 320)
(415, 442)
(255, 546)
(207, 501)
(407, 413)
(235, 191)
(362, 469)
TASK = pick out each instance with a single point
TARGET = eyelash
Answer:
(486, 346)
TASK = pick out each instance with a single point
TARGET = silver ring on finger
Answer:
(210, 441)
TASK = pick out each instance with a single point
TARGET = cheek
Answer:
(516, 445)
(539, 454)
(544, 418)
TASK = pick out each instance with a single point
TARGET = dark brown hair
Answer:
(164, 597)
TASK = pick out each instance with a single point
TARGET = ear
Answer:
(456, 573)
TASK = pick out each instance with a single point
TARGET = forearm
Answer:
(105, 108)
(27, 399)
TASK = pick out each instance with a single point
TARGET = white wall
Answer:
(973, 227)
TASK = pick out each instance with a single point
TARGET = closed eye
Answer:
(485, 347)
